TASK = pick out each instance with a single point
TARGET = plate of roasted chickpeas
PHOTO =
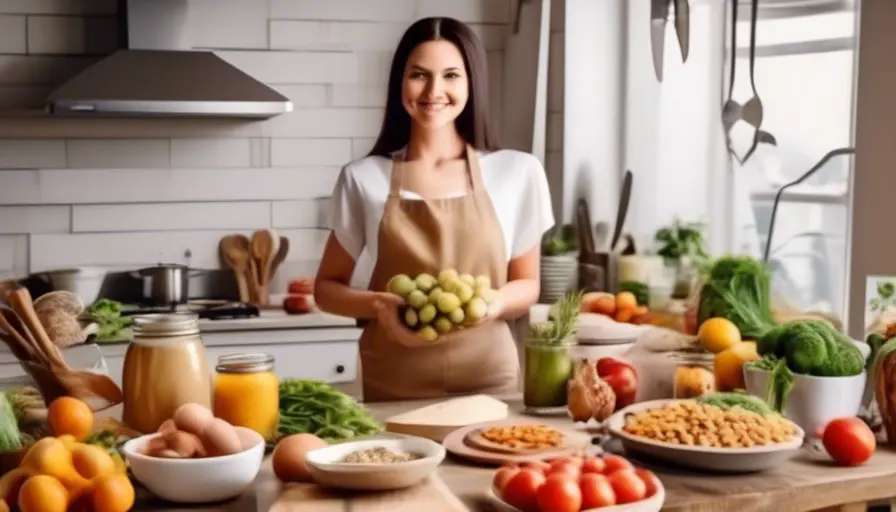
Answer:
(707, 435)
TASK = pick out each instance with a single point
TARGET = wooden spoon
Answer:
(262, 246)
(21, 303)
(280, 257)
(17, 340)
(235, 252)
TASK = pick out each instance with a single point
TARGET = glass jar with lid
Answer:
(165, 367)
(694, 375)
(247, 392)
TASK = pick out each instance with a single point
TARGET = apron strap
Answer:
(398, 159)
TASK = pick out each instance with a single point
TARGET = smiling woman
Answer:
(436, 193)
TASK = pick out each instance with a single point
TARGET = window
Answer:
(804, 73)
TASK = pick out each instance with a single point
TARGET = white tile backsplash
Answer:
(211, 153)
(34, 219)
(31, 154)
(123, 218)
(152, 194)
(293, 152)
(118, 154)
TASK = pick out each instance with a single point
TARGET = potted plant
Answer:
(558, 263)
(683, 247)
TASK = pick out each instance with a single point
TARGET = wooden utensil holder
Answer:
(598, 272)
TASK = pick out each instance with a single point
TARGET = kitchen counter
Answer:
(799, 485)
(277, 319)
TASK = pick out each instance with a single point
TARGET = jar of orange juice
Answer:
(247, 392)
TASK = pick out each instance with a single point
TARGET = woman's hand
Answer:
(386, 306)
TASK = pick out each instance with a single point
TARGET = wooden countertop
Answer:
(803, 484)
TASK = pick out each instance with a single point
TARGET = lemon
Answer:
(718, 334)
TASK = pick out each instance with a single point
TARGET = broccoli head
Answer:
(813, 347)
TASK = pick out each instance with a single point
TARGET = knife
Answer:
(623, 209)
(659, 14)
(683, 27)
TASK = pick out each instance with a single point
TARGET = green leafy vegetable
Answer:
(738, 288)
(10, 440)
(730, 400)
(780, 383)
(813, 347)
(314, 407)
(107, 314)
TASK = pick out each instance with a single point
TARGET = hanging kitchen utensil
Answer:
(683, 27)
(659, 15)
(583, 226)
(750, 112)
(624, 198)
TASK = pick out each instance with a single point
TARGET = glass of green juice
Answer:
(547, 371)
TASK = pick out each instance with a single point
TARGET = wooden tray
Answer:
(456, 444)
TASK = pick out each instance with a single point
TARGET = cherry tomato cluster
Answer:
(574, 484)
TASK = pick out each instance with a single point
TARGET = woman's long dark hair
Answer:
(472, 124)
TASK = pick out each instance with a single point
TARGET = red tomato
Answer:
(596, 491)
(520, 490)
(614, 463)
(849, 441)
(651, 482)
(621, 377)
(559, 494)
(574, 461)
(594, 465)
(503, 475)
(569, 468)
(301, 286)
(627, 486)
(297, 304)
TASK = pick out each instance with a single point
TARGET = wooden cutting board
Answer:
(438, 420)
(431, 495)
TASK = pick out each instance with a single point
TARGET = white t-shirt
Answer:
(515, 182)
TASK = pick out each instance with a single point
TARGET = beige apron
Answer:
(431, 235)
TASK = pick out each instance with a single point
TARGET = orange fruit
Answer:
(728, 365)
(91, 461)
(718, 334)
(43, 493)
(70, 416)
(113, 493)
(626, 300)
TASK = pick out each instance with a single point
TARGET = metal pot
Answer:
(166, 284)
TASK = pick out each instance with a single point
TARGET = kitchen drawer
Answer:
(327, 361)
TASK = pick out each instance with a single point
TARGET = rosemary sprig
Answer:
(562, 324)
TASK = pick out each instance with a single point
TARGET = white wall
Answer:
(124, 193)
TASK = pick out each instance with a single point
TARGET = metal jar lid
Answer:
(245, 363)
(166, 324)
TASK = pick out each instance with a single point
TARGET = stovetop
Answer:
(205, 309)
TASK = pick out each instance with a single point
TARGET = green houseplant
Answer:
(683, 247)
(558, 263)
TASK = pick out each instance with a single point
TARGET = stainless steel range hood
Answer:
(157, 75)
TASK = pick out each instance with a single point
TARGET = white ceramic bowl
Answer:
(326, 469)
(729, 460)
(813, 401)
(205, 480)
(651, 504)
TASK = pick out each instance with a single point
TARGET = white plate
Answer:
(326, 469)
(731, 460)
(651, 504)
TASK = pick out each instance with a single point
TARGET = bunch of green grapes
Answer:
(439, 305)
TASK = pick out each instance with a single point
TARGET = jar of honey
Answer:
(165, 367)
(247, 392)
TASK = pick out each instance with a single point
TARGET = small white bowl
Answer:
(326, 469)
(205, 480)
(814, 401)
